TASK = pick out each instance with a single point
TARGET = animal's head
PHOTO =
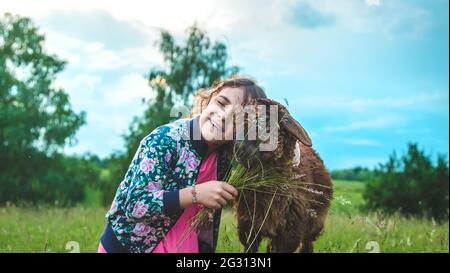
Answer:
(275, 128)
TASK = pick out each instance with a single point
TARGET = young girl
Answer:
(176, 170)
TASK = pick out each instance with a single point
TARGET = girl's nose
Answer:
(220, 116)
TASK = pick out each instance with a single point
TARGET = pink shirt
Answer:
(181, 238)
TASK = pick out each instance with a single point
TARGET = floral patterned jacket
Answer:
(146, 204)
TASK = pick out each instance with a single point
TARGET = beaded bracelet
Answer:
(194, 194)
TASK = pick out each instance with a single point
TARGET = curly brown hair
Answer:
(204, 96)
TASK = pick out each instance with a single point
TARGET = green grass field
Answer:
(347, 229)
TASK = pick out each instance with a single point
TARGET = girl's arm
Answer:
(146, 200)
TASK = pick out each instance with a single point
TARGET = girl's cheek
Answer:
(229, 133)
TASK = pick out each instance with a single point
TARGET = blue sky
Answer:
(364, 77)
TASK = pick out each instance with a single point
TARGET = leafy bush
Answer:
(411, 185)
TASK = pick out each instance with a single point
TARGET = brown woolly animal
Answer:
(288, 222)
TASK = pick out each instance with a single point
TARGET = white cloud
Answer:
(389, 19)
(378, 123)
(95, 56)
(130, 90)
(249, 26)
(362, 142)
(94, 47)
(84, 82)
(65, 47)
(429, 101)
(115, 123)
(173, 15)
(421, 100)
(82, 89)
(104, 59)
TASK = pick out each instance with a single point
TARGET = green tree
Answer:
(196, 64)
(353, 174)
(412, 185)
(36, 118)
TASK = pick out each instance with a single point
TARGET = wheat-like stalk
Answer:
(259, 179)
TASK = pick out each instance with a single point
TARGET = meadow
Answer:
(348, 228)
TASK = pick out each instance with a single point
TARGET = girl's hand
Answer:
(215, 194)
(212, 194)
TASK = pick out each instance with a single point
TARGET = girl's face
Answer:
(216, 120)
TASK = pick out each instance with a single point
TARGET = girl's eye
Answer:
(220, 103)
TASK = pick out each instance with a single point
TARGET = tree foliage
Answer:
(353, 174)
(36, 118)
(412, 184)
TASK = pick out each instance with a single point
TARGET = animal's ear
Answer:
(294, 127)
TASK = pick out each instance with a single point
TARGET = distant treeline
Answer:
(353, 174)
